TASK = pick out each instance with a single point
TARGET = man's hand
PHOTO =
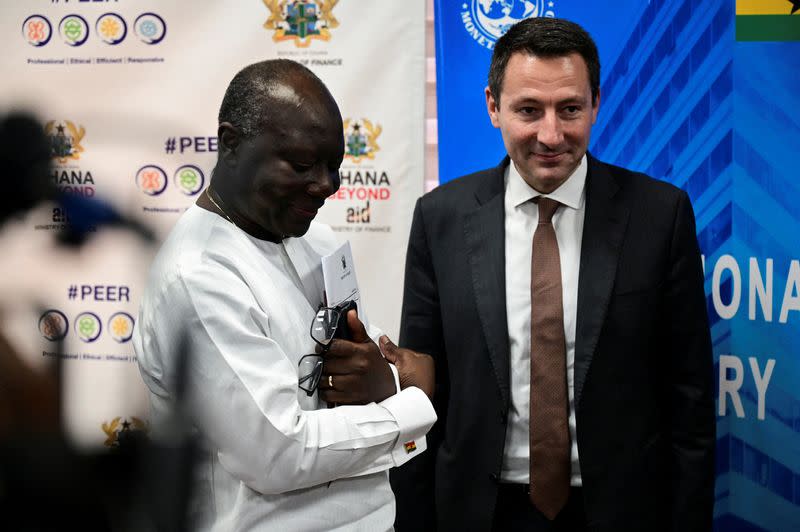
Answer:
(356, 368)
(415, 369)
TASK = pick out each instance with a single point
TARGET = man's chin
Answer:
(298, 229)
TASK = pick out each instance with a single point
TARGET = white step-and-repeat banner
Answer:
(128, 92)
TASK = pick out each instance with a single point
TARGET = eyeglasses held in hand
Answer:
(324, 327)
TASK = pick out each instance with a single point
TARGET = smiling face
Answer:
(545, 114)
(285, 173)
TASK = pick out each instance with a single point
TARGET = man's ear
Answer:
(229, 141)
(492, 107)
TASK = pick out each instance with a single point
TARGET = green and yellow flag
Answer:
(768, 20)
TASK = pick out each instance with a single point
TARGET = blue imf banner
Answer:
(684, 101)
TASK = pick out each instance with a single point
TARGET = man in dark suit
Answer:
(562, 300)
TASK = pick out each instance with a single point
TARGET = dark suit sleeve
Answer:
(421, 330)
(692, 422)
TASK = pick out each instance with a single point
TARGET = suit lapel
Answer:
(484, 232)
(603, 231)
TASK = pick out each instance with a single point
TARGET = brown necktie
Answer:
(549, 429)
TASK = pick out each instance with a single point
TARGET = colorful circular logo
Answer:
(74, 30)
(88, 326)
(189, 179)
(120, 327)
(151, 180)
(37, 30)
(53, 325)
(150, 28)
(111, 28)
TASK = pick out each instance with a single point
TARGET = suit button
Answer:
(503, 417)
(494, 477)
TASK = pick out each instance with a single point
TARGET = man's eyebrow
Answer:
(572, 98)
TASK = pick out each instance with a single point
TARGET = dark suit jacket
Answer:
(643, 362)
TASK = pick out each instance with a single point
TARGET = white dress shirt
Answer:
(521, 219)
(277, 459)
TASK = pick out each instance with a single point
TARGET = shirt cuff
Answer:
(414, 414)
(396, 375)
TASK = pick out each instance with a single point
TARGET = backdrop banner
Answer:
(703, 95)
(128, 92)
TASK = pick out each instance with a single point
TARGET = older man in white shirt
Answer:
(238, 281)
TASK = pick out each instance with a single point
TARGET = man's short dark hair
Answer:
(246, 101)
(544, 37)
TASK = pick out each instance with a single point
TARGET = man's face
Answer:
(545, 115)
(289, 169)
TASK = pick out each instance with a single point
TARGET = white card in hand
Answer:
(341, 284)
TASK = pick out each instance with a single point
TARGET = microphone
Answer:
(25, 163)
(85, 215)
